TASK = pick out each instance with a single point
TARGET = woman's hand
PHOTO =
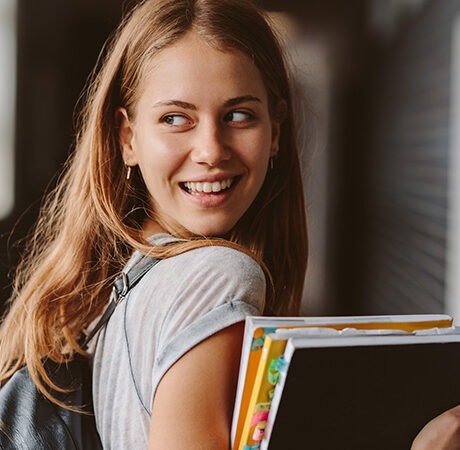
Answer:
(442, 433)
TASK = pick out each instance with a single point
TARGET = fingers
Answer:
(441, 433)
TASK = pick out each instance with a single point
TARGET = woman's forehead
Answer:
(193, 67)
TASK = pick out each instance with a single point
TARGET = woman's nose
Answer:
(209, 145)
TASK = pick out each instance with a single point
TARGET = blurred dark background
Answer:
(377, 102)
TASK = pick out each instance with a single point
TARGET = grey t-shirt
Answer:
(177, 304)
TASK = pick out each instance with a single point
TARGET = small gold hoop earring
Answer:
(128, 172)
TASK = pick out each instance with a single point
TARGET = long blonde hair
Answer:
(90, 224)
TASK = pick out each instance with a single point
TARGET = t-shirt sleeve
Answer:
(215, 287)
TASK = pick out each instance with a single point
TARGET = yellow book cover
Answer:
(264, 383)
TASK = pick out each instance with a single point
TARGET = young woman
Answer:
(186, 138)
(186, 151)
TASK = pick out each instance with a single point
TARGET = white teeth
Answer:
(208, 187)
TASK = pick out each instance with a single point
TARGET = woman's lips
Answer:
(209, 193)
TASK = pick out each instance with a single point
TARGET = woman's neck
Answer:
(151, 227)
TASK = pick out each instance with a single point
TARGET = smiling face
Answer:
(202, 136)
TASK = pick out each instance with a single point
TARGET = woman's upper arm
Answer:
(193, 403)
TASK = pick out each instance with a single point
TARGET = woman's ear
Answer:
(278, 117)
(125, 136)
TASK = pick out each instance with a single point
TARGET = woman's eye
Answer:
(238, 116)
(175, 120)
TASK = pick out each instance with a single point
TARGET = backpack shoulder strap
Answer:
(121, 286)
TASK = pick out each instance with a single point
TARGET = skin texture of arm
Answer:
(193, 405)
(442, 433)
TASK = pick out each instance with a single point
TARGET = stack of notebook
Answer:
(364, 382)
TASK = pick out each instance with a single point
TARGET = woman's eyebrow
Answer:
(178, 103)
(242, 99)
(191, 106)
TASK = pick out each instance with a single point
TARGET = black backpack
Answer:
(29, 421)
